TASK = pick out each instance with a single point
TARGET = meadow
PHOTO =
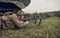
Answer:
(49, 28)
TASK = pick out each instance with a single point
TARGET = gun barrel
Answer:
(31, 19)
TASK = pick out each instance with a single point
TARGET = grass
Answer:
(49, 28)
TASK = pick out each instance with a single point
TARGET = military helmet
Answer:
(20, 13)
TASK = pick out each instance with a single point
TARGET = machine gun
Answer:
(35, 19)
(28, 19)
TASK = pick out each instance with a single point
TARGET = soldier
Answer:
(18, 22)
(16, 19)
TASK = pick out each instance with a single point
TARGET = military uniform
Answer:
(17, 22)
(13, 21)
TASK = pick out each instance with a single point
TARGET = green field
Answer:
(49, 28)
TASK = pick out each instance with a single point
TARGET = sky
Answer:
(42, 6)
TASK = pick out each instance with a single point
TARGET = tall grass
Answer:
(49, 28)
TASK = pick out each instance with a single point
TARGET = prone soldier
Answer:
(16, 21)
